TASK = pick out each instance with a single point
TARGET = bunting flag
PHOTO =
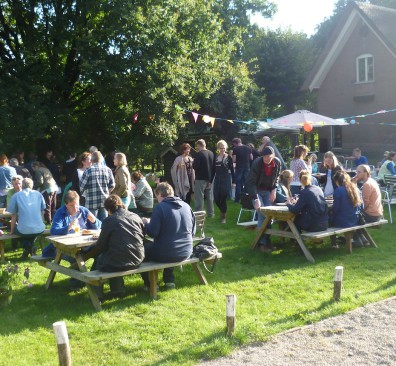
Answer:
(208, 119)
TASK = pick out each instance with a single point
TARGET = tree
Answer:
(82, 71)
(280, 61)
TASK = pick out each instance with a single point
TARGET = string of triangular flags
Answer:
(209, 119)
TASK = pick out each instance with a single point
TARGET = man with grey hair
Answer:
(203, 167)
(27, 207)
(96, 184)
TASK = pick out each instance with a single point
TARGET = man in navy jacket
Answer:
(172, 226)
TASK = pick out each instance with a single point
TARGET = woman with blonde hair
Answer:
(298, 164)
(311, 207)
(347, 202)
(122, 179)
(222, 169)
(283, 191)
(330, 167)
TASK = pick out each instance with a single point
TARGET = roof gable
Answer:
(379, 20)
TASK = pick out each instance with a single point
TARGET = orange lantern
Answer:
(307, 127)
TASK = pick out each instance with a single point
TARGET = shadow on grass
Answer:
(59, 302)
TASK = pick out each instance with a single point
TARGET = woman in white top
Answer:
(330, 167)
(297, 165)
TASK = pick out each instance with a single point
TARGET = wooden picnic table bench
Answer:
(72, 244)
(282, 213)
(4, 237)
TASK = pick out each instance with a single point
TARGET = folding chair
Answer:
(247, 206)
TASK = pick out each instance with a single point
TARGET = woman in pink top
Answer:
(371, 193)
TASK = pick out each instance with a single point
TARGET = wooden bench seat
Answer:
(15, 236)
(97, 277)
(348, 231)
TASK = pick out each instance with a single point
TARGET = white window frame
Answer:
(366, 70)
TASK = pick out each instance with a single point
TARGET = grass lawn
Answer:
(275, 292)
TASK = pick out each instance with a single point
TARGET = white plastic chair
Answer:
(387, 201)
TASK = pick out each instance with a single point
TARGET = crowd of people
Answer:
(104, 194)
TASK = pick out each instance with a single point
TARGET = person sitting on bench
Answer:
(311, 207)
(119, 246)
(172, 226)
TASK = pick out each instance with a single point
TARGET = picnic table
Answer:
(282, 213)
(72, 245)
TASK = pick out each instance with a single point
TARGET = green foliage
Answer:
(74, 71)
(274, 292)
(280, 62)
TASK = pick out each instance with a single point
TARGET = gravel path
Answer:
(365, 336)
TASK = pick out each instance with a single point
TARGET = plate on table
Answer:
(88, 232)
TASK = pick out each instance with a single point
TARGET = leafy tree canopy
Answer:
(75, 73)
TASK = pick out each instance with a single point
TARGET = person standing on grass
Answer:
(223, 175)
(6, 174)
(27, 208)
(96, 184)
(119, 246)
(203, 166)
(122, 179)
(183, 175)
(46, 184)
(172, 226)
(262, 183)
(241, 156)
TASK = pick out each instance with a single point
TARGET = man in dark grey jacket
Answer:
(262, 182)
(120, 244)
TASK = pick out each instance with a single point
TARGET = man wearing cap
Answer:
(262, 182)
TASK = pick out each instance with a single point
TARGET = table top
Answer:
(5, 214)
(72, 240)
(282, 208)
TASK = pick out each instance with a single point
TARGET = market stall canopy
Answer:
(305, 119)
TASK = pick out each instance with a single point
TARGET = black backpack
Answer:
(206, 250)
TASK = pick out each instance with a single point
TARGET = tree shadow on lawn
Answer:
(37, 307)
(239, 262)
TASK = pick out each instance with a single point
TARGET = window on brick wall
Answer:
(365, 68)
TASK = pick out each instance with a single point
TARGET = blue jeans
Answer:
(240, 178)
(264, 197)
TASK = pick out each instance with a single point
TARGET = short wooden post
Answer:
(230, 301)
(338, 282)
(62, 340)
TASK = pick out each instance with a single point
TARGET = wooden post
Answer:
(338, 282)
(230, 301)
(62, 340)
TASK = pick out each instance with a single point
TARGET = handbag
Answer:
(205, 250)
(361, 218)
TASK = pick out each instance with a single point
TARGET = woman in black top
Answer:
(223, 168)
